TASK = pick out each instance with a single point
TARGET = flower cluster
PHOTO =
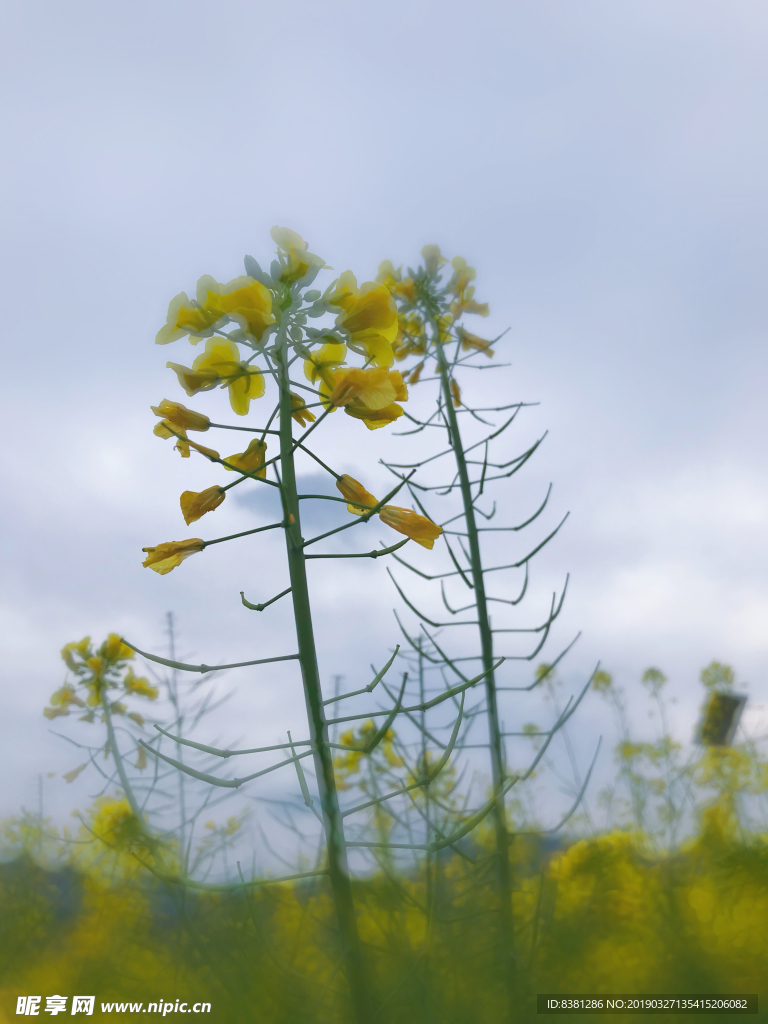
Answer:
(429, 310)
(269, 314)
(96, 671)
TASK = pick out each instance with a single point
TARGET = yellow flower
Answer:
(167, 556)
(186, 317)
(71, 776)
(368, 394)
(372, 388)
(342, 292)
(417, 527)
(137, 718)
(195, 504)
(415, 373)
(65, 696)
(301, 413)
(209, 453)
(221, 362)
(299, 262)
(113, 649)
(354, 491)
(370, 320)
(465, 303)
(115, 823)
(329, 356)
(140, 685)
(462, 275)
(251, 460)
(180, 416)
(395, 282)
(243, 300)
(80, 647)
(469, 341)
(433, 258)
(51, 713)
(456, 393)
(96, 665)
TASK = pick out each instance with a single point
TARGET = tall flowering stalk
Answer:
(433, 336)
(267, 316)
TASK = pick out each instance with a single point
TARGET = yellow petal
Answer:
(417, 527)
(244, 388)
(251, 460)
(301, 413)
(375, 418)
(329, 356)
(373, 310)
(373, 388)
(167, 556)
(71, 776)
(114, 649)
(195, 504)
(180, 416)
(54, 712)
(354, 491)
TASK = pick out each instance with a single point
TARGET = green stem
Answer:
(496, 742)
(334, 830)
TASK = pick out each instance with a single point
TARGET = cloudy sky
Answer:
(602, 165)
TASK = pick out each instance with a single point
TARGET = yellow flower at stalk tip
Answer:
(301, 413)
(417, 527)
(69, 650)
(113, 649)
(167, 556)
(370, 321)
(195, 504)
(297, 262)
(139, 685)
(330, 356)
(180, 417)
(433, 258)
(354, 492)
(245, 301)
(221, 363)
(469, 341)
(251, 460)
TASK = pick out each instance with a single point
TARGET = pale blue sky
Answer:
(603, 166)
